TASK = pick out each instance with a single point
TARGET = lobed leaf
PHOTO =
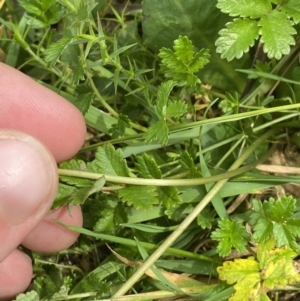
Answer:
(276, 34)
(176, 109)
(236, 38)
(110, 161)
(141, 197)
(147, 167)
(158, 131)
(230, 234)
(292, 9)
(245, 8)
(274, 219)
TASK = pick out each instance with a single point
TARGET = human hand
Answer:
(55, 130)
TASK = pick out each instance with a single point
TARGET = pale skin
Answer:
(38, 129)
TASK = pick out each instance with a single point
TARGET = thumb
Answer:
(28, 184)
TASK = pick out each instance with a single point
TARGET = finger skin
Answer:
(15, 275)
(57, 237)
(31, 108)
(28, 185)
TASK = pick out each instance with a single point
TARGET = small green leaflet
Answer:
(245, 8)
(118, 129)
(274, 218)
(276, 34)
(141, 197)
(181, 64)
(165, 108)
(176, 109)
(147, 167)
(230, 234)
(111, 214)
(236, 38)
(159, 132)
(110, 161)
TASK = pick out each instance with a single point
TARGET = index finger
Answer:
(29, 107)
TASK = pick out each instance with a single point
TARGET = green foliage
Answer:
(153, 112)
(181, 64)
(257, 19)
(255, 277)
(230, 234)
(274, 219)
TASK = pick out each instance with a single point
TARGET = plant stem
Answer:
(190, 218)
(156, 182)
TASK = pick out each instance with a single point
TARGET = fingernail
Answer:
(28, 178)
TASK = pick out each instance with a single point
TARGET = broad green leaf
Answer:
(230, 234)
(110, 161)
(142, 197)
(176, 109)
(278, 267)
(236, 38)
(276, 34)
(245, 273)
(245, 8)
(158, 131)
(200, 21)
(292, 9)
(147, 167)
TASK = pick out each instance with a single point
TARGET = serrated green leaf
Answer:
(54, 51)
(230, 234)
(141, 197)
(206, 218)
(245, 8)
(111, 214)
(236, 38)
(158, 131)
(176, 109)
(246, 274)
(276, 34)
(292, 9)
(30, 296)
(110, 161)
(147, 167)
(167, 19)
(118, 129)
(183, 62)
(163, 93)
(169, 196)
(179, 212)
(274, 219)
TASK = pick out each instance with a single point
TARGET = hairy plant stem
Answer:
(190, 218)
(156, 182)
